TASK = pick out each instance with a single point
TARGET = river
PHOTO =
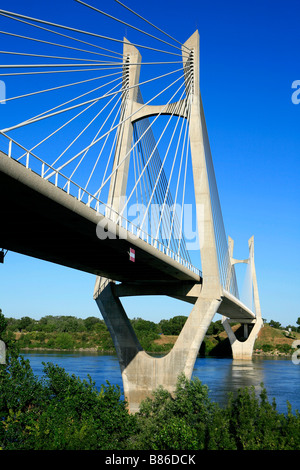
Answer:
(280, 376)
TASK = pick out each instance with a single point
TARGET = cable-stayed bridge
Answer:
(105, 167)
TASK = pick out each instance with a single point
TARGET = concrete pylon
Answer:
(244, 349)
(142, 373)
(197, 133)
(131, 74)
(2, 352)
(118, 184)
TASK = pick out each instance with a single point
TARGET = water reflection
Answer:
(244, 374)
(279, 376)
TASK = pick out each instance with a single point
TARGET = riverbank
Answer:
(270, 342)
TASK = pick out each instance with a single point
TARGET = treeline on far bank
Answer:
(68, 332)
(72, 333)
(71, 324)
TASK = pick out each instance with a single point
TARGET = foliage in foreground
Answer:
(191, 421)
(60, 412)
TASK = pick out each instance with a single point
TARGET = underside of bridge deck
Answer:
(43, 221)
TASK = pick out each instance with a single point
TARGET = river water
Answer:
(281, 377)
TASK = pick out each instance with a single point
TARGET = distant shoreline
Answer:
(270, 342)
(112, 352)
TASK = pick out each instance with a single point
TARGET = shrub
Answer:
(64, 341)
(284, 348)
(267, 347)
(189, 421)
(60, 411)
(173, 326)
(176, 422)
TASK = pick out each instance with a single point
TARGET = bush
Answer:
(173, 326)
(190, 421)
(91, 323)
(284, 348)
(62, 412)
(59, 412)
(186, 421)
(215, 328)
(3, 323)
(267, 347)
(64, 341)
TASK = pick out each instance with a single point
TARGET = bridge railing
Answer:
(34, 163)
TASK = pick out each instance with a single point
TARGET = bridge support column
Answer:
(141, 373)
(2, 352)
(242, 349)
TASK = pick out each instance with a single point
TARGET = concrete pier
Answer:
(141, 373)
(244, 349)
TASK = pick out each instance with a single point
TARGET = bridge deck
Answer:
(41, 220)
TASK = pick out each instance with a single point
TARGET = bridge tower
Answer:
(142, 373)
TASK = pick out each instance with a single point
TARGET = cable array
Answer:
(70, 113)
(226, 270)
(74, 124)
(152, 184)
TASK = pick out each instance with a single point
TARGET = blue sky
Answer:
(249, 58)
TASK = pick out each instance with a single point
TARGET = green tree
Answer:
(47, 324)
(69, 324)
(3, 323)
(139, 324)
(275, 324)
(64, 341)
(24, 323)
(181, 421)
(173, 326)
(146, 331)
(59, 411)
(91, 322)
(189, 420)
(215, 328)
